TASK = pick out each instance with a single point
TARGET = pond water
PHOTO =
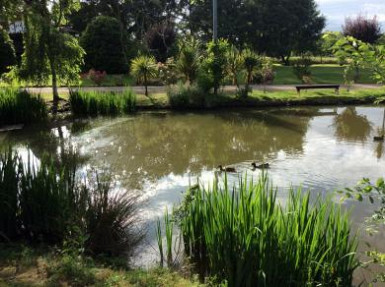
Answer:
(159, 154)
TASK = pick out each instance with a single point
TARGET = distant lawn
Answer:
(321, 74)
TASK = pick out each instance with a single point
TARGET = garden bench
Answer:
(319, 86)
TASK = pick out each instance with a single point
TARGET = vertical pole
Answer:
(215, 20)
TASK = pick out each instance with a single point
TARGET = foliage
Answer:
(188, 60)
(186, 96)
(100, 103)
(161, 39)
(361, 55)
(103, 45)
(7, 52)
(18, 106)
(50, 52)
(363, 29)
(214, 64)
(252, 64)
(167, 72)
(144, 68)
(301, 68)
(97, 77)
(50, 204)
(244, 236)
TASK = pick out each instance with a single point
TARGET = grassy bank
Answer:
(38, 266)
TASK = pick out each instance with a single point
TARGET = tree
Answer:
(49, 51)
(160, 40)
(144, 68)
(362, 28)
(103, 47)
(273, 27)
(7, 52)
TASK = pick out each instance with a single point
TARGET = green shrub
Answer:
(103, 45)
(213, 68)
(188, 61)
(244, 236)
(186, 96)
(101, 103)
(7, 52)
(20, 107)
(301, 68)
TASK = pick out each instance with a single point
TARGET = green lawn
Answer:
(321, 74)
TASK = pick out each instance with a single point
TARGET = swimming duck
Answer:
(378, 138)
(226, 169)
(260, 166)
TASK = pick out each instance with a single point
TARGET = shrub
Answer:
(186, 96)
(102, 41)
(362, 28)
(97, 77)
(301, 68)
(188, 61)
(244, 236)
(101, 103)
(213, 68)
(167, 72)
(20, 107)
(7, 52)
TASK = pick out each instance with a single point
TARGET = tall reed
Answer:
(49, 203)
(95, 103)
(244, 236)
(18, 107)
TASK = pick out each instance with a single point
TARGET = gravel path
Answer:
(163, 89)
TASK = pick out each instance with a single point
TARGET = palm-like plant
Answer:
(189, 58)
(252, 62)
(144, 68)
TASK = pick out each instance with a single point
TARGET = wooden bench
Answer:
(320, 86)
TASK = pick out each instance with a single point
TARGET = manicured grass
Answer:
(321, 74)
(111, 81)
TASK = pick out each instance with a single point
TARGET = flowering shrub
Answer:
(97, 77)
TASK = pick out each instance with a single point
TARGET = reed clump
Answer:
(93, 103)
(20, 107)
(51, 203)
(244, 236)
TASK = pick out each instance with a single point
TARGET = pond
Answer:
(159, 154)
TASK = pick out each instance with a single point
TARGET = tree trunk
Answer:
(145, 85)
(54, 87)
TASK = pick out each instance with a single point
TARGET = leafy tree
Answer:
(362, 28)
(102, 44)
(50, 52)
(144, 68)
(7, 52)
(252, 63)
(160, 40)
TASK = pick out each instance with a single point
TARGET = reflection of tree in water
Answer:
(351, 126)
(152, 146)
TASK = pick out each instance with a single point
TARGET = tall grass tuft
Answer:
(51, 204)
(19, 107)
(244, 236)
(95, 103)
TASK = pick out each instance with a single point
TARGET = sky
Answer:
(337, 10)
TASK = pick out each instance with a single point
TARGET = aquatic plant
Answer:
(95, 103)
(19, 107)
(244, 236)
(49, 203)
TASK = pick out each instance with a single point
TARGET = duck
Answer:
(378, 138)
(226, 169)
(260, 166)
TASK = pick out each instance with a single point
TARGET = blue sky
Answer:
(337, 10)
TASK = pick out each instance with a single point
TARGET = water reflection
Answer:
(351, 126)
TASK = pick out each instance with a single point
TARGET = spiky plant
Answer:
(144, 68)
